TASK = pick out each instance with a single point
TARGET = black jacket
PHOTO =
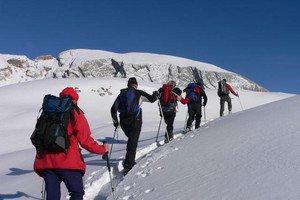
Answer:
(139, 94)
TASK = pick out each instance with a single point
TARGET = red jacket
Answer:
(79, 133)
(229, 88)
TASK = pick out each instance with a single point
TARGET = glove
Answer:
(116, 124)
(106, 146)
(156, 93)
(237, 94)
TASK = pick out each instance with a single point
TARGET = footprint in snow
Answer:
(176, 149)
(159, 168)
(145, 174)
(126, 188)
(192, 136)
(145, 164)
(139, 173)
(128, 197)
(149, 190)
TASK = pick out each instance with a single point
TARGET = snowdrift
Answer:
(248, 155)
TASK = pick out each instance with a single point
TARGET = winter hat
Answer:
(71, 92)
(177, 91)
(131, 81)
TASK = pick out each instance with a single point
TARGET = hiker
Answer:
(168, 100)
(223, 92)
(128, 104)
(123, 72)
(194, 94)
(119, 68)
(66, 166)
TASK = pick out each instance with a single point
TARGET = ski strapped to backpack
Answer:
(129, 104)
(50, 134)
(193, 90)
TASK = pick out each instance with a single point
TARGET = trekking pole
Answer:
(106, 158)
(204, 112)
(117, 134)
(162, 117)
(241, 103)
(158, 129)
(186, 118)
(112, 144)
(43, 195)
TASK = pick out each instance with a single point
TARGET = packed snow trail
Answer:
(249, 155)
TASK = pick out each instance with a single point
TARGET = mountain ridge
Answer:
(150, 67)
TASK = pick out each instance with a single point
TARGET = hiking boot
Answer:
(125, 171)
(187, 130)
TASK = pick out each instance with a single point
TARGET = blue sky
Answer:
(258, 39)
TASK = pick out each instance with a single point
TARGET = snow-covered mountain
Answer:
(95, 63)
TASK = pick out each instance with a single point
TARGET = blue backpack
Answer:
(192, 92)
(50, 133)
(129, 104)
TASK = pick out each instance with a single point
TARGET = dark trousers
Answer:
(132, 129)
(223, 99)
(195, 113)
(72, 180)
(169, 118)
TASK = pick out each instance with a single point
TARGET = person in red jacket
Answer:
(194, 95)
(69, 167)
(223, 92)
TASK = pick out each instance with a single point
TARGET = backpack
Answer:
(201, 83)
(222, 89)
(129, 102)
(50, 133)
(167, 96)
(192, 92)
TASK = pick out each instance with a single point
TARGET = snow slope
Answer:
(20, 103)
(249, 155)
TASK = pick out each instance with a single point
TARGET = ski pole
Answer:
(241, 103)
(186, 118)
(43, 190)
(158, 129)
(204, 112)
(106, 158)
(112, 144)
(162, 115)
(117, 135)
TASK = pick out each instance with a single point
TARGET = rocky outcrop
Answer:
(92, 63)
